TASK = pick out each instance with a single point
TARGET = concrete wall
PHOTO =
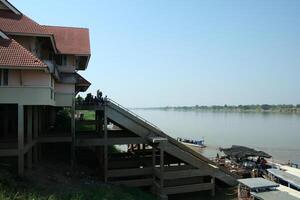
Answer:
(29, 42)
(28, 78)
(26, 95)
(70, 67)
(64, 94)
(36, 78)
(64, 88)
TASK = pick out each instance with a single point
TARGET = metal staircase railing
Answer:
(134, 114)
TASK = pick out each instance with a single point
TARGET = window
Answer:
(64, 60)
(61, 59)
(3, 76)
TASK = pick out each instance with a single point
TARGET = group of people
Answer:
(98, 99)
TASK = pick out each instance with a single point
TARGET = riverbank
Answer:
(265, 108)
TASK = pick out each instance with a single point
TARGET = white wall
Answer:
(36, 78)
(65, 88)
(28, 78)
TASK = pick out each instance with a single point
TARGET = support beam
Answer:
(188, 188)
(135, 182)
(9, 152)
(109, 141)
(54, 139)
(129, 172)
(20, 140)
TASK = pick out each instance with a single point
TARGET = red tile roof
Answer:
(13, 23)
(12, 54)
(70, 40)
(81, 81)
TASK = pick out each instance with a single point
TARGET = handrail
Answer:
(134, 114)
(175, 142)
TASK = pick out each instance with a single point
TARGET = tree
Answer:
(79, 100)
(265, 107)
(89, 98)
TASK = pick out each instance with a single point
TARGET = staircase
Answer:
(143, 128)
(154, 159)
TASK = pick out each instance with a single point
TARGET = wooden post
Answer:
(29, 136)
(105, 146)
(73, 133)
(35, 133)
(20, 140)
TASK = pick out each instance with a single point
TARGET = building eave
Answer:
(11, 7)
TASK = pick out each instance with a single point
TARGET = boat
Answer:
(193, 143)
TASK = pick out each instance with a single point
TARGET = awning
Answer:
(243, 152)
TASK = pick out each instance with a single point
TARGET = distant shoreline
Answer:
(264, 108)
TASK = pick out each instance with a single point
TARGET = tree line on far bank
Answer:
(288, 108)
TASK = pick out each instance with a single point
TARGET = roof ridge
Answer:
(66, 27)
(29, 53)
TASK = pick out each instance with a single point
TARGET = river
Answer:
(275, 133)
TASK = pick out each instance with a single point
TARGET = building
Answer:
(38, 78)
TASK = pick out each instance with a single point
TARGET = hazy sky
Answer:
(185, 52)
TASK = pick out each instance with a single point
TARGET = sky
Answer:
(149, 53)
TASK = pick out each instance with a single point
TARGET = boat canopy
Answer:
(240, 152)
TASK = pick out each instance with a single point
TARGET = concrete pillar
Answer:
(162, 163)
(213, 189)
(35, 132)
(29, 136)
(6, 120)
(162, 196)
(105, 146)
(73, 133)
(20, 140)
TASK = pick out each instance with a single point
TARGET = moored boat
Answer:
(193, 143)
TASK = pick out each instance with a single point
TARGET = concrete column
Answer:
(73, 133)
(153, 170)
(162, 196)
(162, 163)
(239, 191)
(105, 146)
(20, 140)
(6, 120)
(35, 132)
(213, 189)
(29, 136)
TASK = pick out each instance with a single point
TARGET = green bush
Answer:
(63, 120)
